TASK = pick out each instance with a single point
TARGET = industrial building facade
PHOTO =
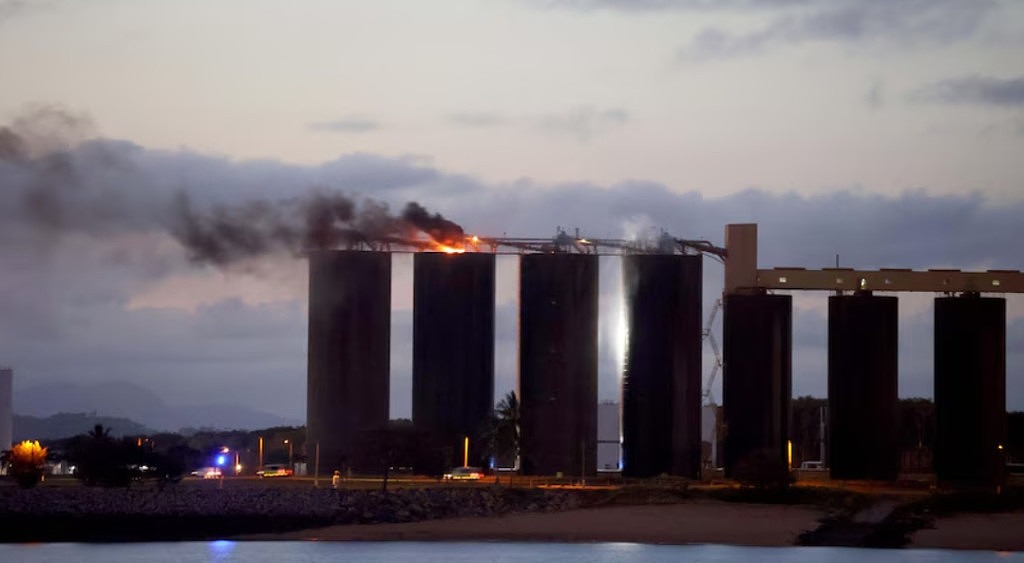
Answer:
(558, 303)
(453, 359)
(349, 356)
(453, 350)
(661, 387)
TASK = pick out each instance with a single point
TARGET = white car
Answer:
(207, 473)
(464, 474)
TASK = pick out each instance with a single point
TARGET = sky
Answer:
(887, 132)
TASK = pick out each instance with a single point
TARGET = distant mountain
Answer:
(65, 425)
(137, 403)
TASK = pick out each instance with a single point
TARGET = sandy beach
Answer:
(994, 532)
(697, 522)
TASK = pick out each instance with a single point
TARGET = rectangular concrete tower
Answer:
(349, 355)
(863, 335)
(756, 381)
(6, 408)
(970, 390)
(661, 388)
(558, 304)
(453, 349)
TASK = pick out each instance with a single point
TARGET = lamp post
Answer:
(289, 442)
(261, 453)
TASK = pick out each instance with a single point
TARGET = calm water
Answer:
(468, 552)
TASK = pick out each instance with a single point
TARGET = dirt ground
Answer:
(994, 532)
(698, 522)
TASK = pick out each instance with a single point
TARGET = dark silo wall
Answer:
(756, 380)
(349, 355)
(558, 304)
(661, 387)
(863, 335)
(453, 349)
(970, 390)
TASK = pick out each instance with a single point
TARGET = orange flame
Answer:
(460, 249)
(450, 249)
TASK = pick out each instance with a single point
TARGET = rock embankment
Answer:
(83, 514)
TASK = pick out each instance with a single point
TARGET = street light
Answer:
(289, 442)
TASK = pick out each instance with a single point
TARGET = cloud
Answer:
(477, 120)
(350, 125)
(851, 22)
(875, 97)
(660, 5)
(13, 8)
(788, 22)
(973, 90)
(583, 123)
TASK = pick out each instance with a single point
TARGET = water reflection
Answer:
(466, 552)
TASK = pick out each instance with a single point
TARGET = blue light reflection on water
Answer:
(466, 552)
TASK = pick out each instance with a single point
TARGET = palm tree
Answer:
(502, 434)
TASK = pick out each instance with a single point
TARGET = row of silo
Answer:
(453, 357)
(970, 378)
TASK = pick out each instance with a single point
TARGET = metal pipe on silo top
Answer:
(970, 390)
(863, 335)
(661, 388)
(453, 349)
(349, 355)
(558, 304)
(756, 383)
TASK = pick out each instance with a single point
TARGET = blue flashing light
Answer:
(222, 459)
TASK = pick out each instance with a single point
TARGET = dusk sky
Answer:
(889, 132)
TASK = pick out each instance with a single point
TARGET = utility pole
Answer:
(583, 463)
(316, 466)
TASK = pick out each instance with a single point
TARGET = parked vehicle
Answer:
(464, 474)
(274, 470)
(207, 473)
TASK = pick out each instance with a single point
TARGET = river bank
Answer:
(645, 514)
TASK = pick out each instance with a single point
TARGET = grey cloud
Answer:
(974, 90)
(13, 8)
(351, 125)
(584, 123)
(477, 120)
(851, 22)
(662, 5)
(875, 98)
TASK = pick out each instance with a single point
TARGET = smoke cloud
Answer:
(60, 186)
(437, 227)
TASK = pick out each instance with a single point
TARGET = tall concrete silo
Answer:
(661, 389)
(863, 335)
(349, 354)
(453, 349)
(756, 379)
(970, 390)
(558, 305)
(6, 408)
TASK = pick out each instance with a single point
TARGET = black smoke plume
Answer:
(436, 226)
(57, 186)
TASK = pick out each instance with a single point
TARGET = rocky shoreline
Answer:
(93, 514)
